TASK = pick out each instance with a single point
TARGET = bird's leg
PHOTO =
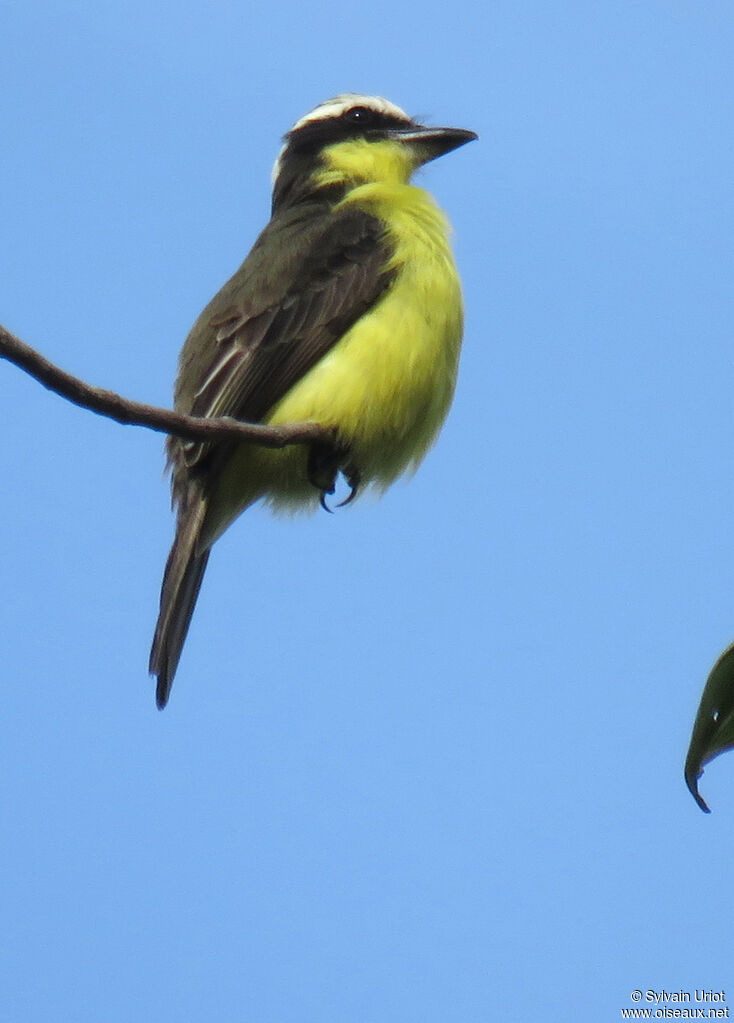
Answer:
(354, 480)
(325, 462)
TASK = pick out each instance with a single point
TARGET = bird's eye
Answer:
(359, 115)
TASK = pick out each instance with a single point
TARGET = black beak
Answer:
(431, 143)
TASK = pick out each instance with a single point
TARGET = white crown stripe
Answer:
(339, 104)
(335, 108)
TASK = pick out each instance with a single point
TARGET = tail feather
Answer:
(181, 583)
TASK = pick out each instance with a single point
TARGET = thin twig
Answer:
(135, 413)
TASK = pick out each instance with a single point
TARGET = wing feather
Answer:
(265, 330)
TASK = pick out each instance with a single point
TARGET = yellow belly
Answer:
(386, 386)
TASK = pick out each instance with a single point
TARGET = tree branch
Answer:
(135, 413)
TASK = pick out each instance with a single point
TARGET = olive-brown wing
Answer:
(261, 336)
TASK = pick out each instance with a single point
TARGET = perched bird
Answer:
(347, 312)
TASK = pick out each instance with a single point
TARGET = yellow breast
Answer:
(387, 385)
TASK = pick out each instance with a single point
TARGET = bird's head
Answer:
(353, 139)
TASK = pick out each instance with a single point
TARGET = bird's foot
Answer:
(353, 477)
(325, 462)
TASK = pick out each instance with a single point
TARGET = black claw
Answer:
(325, 462)
(353, 484)
(323, 466)
(353, 478)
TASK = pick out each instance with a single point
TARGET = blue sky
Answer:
(423, 758)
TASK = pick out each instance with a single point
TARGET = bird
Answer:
(347, 312)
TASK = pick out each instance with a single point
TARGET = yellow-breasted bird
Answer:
(347, 312)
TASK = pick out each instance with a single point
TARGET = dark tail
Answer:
(181, 583)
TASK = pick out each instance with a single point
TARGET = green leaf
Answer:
(713, 729)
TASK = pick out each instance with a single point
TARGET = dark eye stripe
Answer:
(352, 123)
(360, 115)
